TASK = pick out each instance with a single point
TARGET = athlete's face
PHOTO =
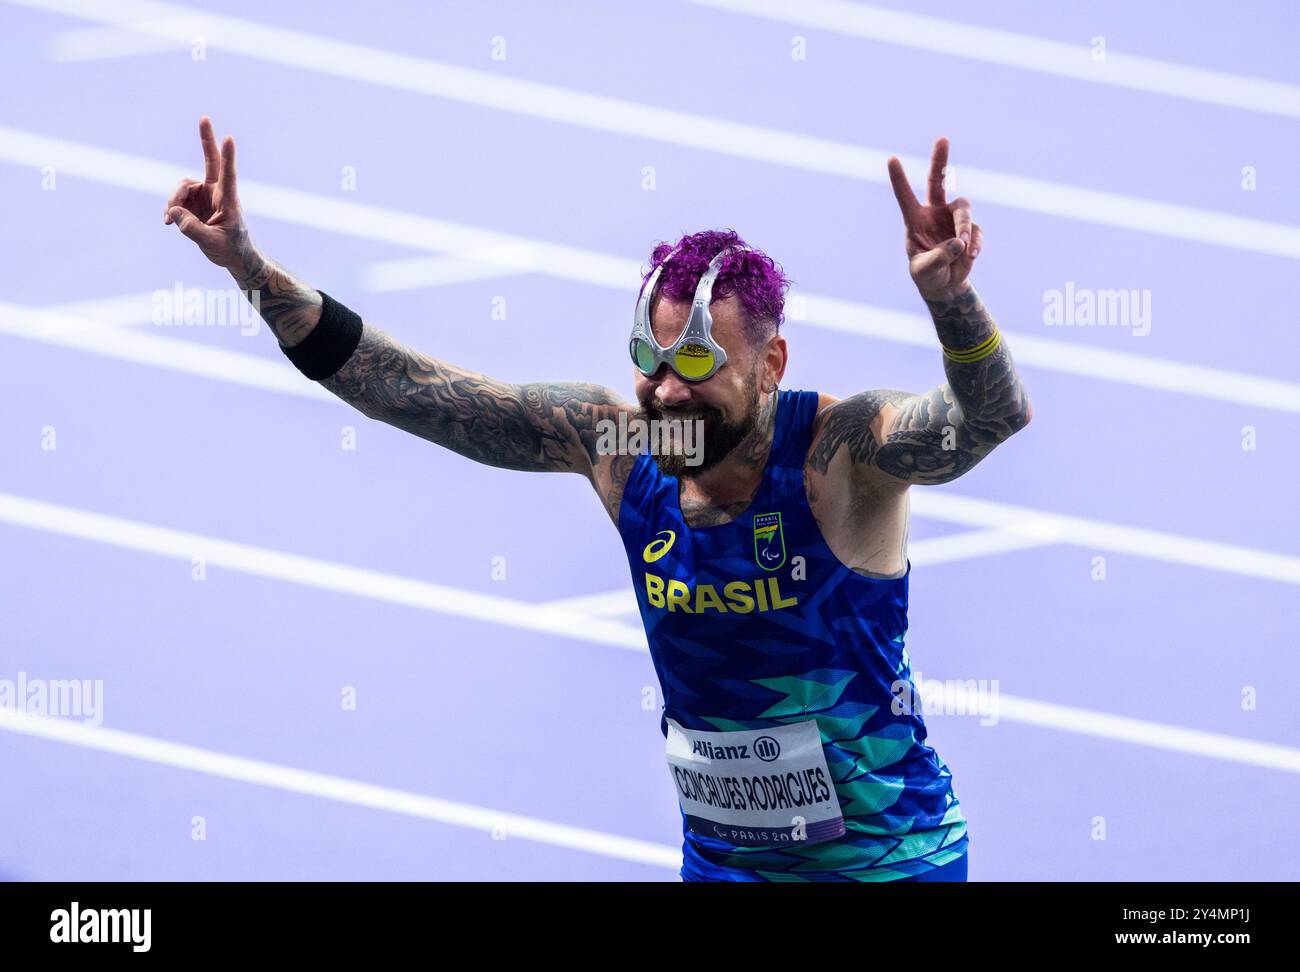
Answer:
(727, 404)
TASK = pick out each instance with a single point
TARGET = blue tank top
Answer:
(755, 624)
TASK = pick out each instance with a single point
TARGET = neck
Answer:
(736, 477)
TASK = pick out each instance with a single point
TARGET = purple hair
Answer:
(752, 276)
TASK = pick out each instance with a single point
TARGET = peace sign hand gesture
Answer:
(942, 242)
(208, 212)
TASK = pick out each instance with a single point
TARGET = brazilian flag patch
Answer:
(769, 541)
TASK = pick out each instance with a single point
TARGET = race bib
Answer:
(755, 786)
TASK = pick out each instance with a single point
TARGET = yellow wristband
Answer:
(977, 353)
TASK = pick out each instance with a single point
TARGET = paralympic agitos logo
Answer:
(769, 541)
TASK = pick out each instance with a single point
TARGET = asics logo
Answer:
(657, 548)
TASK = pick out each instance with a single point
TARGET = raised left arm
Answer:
(935, 437)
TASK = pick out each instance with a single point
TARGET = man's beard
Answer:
(717, 437)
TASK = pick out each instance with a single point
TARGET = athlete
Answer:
(770, 565)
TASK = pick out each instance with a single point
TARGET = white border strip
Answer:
(339, 789)
(648, 122)
(1074, 61)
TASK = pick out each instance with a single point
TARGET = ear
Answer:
(775, 356)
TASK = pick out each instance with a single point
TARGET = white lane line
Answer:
(320, 212)
(188, 357)
(101, 43)
(648, 122)
(430, 271)
(1075, 61)
(272, 375)
(1024, 535)
(621, 601)
(922, 553)
(567, 623)
(517, 254)
(248, 370)
(1098, 535)
(1067, 357)
(337, 788)
(123, 311)
(311, 572)
(1157, 735)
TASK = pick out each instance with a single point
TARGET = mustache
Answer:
(687, 415)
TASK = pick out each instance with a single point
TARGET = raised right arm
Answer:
(534, 427)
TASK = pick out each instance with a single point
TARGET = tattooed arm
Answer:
(539, 427)
(533, 427)
(935, 437)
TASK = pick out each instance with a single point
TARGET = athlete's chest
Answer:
(865, 527)
(768, 559)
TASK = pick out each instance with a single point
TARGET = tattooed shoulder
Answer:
(575, 409)
(847, 425)
(909, 438)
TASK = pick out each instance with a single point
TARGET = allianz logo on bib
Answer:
(765, 748)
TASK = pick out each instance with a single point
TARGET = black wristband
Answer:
(331, 342)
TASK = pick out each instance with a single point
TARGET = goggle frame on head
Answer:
(694, 356)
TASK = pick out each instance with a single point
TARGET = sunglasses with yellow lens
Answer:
(695, 355)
